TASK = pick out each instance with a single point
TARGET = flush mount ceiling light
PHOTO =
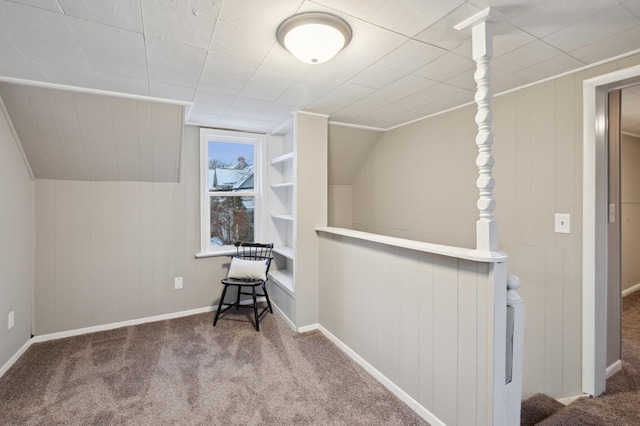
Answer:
(314, 37)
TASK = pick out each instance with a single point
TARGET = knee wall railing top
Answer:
(443, 250)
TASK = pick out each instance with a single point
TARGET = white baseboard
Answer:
(402, 395)
(114, 325)
(614, 368)
(283, 316)
(306, 328)
(15, 357)
(568, 400)
(630, 290)
(286, 319)
(104, 327)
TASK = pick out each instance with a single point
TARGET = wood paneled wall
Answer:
(418, 183)
(422, 320)
(16, 242)
(109, 251)
(80, 136)
(630, 210)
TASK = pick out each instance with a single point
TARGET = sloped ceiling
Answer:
(80, 136)
(349, 147)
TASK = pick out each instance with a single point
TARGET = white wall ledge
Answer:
(219, 253)
(456, 252)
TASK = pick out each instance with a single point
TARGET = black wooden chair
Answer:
(249, 268)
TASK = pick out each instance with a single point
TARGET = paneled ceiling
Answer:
(221, 56)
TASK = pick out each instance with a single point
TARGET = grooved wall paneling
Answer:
(17, 211)
(421, 320)
(82, 136)
(538, 172)
(109, 251)
(630, 210)
(79, 256)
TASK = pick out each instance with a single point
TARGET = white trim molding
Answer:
(114, 325)
(449, 251)
(7, 365)
(614, 368)
(631, 290)
(283, 316)
(402, 395)
(110, 326)
(568, 400)
(594, 235)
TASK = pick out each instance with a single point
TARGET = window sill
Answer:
(226, 252)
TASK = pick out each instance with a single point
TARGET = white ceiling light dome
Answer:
(314, 37)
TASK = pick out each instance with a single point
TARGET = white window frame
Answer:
(259, 141)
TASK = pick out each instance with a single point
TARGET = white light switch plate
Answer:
(563, 223)
(178, 283)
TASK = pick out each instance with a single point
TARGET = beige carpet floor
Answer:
(186, 372)
(619, 405)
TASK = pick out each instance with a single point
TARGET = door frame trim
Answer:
(594, 231)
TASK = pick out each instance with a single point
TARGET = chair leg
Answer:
(224, 292)
(255, 307)
(238, 297)
(266, 295)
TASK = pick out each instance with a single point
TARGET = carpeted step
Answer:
(537, 408)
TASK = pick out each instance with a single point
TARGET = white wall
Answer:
(109, 251)
(348, 149)
(423, 321)
(419, 183)
(16, 242)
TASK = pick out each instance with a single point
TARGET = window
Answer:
(230, 183)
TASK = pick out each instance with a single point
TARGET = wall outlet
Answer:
(12, 320)
(178, 283)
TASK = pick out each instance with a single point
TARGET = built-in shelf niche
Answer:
(284, 279)
(282, 185)
(281, 210)
(297, 188)
(285, 251)
(282, 158)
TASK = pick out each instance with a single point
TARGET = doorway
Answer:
(628, 190)
(595, 212)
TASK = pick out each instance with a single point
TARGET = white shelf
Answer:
(285, 251)
(282, 185)
(281, 159)
(284, 278)
(288, 217)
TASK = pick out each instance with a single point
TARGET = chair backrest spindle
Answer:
(253, 251)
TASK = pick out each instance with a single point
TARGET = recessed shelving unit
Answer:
(297, 187)
(282, 226)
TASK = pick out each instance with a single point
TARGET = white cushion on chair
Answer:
(248, 269)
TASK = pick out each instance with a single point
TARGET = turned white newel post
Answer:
(486, 228)
(482, 45)
(505, 363)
